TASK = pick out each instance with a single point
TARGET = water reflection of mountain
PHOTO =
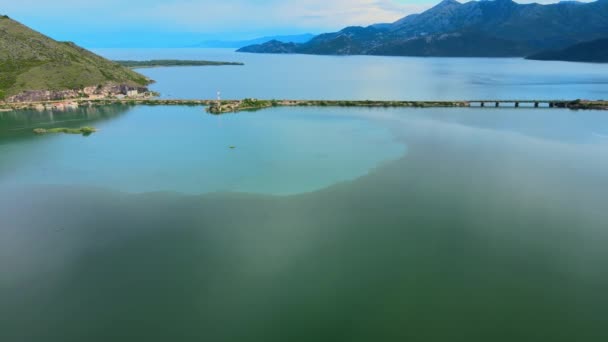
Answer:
(19, 124)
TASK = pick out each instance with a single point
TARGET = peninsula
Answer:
(172, 62)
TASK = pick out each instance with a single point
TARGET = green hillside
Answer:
(32, 61)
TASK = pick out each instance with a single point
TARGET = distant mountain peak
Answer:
(448, 2)
(445, 4)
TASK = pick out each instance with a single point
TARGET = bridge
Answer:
(520, 103)
(228, 106)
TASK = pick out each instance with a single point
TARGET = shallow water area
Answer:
(183, 149)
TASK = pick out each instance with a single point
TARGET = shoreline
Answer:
(233, 106)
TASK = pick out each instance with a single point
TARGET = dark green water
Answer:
(490, 226)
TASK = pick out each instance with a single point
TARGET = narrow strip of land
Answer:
(232, 106)
(172, 62)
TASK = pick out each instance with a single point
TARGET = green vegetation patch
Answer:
(10, 69)
(255, 103)
(85, 131)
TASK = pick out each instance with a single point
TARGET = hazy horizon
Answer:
(183, 23)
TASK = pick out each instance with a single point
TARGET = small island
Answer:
(222, 107)
(171, 63)
(85, 131)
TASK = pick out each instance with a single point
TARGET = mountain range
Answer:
(34, 67)
(498, 28)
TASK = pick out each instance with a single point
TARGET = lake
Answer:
(368, 77)
(308, 224)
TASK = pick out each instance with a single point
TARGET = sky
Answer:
(108, 23)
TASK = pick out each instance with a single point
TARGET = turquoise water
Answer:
(321, 224)
(183, 149)
(369, 77)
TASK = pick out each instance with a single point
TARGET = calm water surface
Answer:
(321, 224)
(369, 77)
(183, 149)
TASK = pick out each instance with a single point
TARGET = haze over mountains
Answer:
(298, 38)
(498, 28)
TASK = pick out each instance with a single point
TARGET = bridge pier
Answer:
(482, 104)
(497, 104)
(516, 104)
(551, 105)
(535, 104)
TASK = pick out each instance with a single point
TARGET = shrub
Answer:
(86, 131)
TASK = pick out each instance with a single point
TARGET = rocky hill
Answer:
(34, 67)
(477, 28)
